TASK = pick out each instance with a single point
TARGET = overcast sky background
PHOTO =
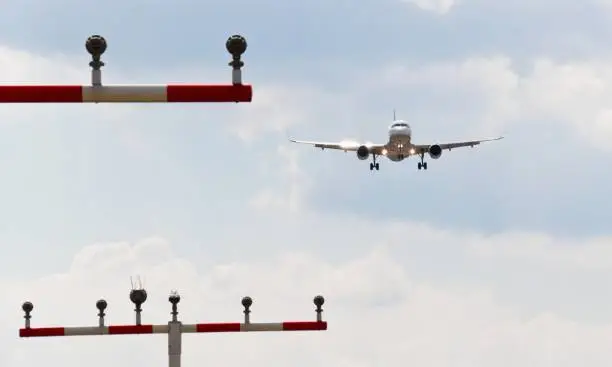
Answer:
(498, 255)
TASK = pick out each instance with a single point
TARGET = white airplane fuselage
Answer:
(399, 145)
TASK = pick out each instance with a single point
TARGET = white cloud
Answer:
(289, 189)
(377, 314)
(436, 6)
(275, 109)
(546, 249)
(18, 66)
(575, 94)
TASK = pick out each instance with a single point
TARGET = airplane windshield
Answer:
(400, 124)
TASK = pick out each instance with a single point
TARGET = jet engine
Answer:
(435, 151)
(363, 152)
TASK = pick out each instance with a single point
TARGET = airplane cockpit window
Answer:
(400, 124)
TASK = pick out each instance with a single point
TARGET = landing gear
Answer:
(374, 165)
(422, 164)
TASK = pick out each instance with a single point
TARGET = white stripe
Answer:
(160, 329)
(125, 93)
(189, 328)
(262, 326)
(86, 330)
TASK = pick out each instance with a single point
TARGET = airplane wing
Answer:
(347, 146)
(450, 146)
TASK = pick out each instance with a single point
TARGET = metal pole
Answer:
(96, 77)
(175, 331)
(174, 344)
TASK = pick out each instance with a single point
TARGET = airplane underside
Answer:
(399, 148)
(374, 165)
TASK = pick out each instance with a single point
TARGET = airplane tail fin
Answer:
(394, 115)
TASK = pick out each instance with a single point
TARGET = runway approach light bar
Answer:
(174, 328)
(124, 93)
(96, 45)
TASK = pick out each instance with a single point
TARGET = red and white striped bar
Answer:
(93, 330)
(269, 326)
(177, 93)
(163, 329)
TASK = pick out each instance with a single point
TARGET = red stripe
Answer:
(42, 331)
(209, 93)
(304, 325)
(41, 93)
(218, 327)
(130, 329)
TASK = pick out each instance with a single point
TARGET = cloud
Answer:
(594, 255)
(281, 107)
(378, 314)
(277, 109)
(440, 7)
(288, 191)
(498, 92)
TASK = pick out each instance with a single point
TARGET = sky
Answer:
(499, 255)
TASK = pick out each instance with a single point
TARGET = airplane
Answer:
(397, 148)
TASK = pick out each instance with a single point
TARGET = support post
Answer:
(101, 306)
(138, 297)
(174, 333)
(27, 308)
(246, 303)
(96, 46)
(319, 301)
(236, 45)
(174, 344)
